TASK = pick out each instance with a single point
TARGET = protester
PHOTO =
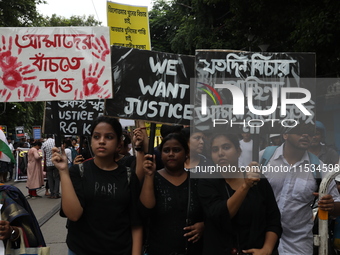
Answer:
(67, 145)
(275, 139)
(35, 176)
(246, 145)
(195, 159)
(318, 147)
(75, 143)
(294, 188)
(123, 156)
(164, 131)
(99, 197)
(336, 224)
(17, 213)
(242, 216)
(85, 149)
(176, 217)
(3, 171)
(51, 171)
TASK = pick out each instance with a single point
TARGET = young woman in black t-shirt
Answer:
(242, 216)
(99, 197)
(175, 227)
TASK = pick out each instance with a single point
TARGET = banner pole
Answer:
(152, 138)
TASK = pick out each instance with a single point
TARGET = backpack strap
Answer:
(314, 160)
(267, 155)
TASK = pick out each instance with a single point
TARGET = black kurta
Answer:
(257, 215)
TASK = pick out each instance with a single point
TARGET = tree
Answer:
(19, 13)
(164, 24)
(59, 21)
(286, 26)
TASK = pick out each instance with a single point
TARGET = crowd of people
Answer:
(120, 197)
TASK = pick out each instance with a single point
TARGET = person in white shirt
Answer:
(246, 145)
(295, 187)
(67, 144)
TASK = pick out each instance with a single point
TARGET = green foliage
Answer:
(19, 13)
(25, 114)
(60, 21)
(286, 26)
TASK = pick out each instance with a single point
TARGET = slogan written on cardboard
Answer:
(74, 117)
(151, 86)
(54, 63)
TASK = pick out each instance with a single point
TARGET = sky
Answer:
(67, 8)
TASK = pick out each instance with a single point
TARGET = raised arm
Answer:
(139, 140)
(70, 203)
(147, 195)
(236, 200)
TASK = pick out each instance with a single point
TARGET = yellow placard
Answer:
(129, 25)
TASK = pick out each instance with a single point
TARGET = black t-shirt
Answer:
(168, 217)
(109, 204)
(247, 229)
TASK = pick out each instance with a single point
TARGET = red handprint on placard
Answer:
(78, 95)
(101, 47)
(14, 78)
(90, 82)
(29, 92)
(12, 73)
(7, 61)
(6, 94)
(105, 95)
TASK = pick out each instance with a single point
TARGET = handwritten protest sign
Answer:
(151, 86)
(75, 117)
(129, 25)
(254, 92)
(54, 63)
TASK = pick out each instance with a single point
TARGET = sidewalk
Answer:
(46, 211)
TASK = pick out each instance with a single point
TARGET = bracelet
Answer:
(138, 148)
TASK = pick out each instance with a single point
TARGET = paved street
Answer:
(47, 213)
